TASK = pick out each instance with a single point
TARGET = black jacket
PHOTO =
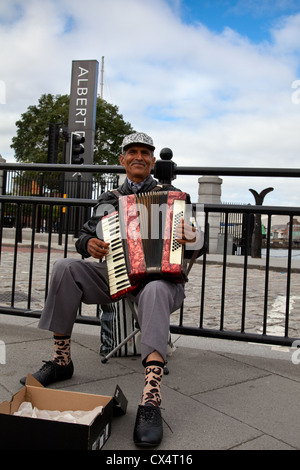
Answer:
(109, 201)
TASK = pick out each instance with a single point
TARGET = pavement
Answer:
(218, 395)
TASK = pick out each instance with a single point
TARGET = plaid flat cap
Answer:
(137, 138)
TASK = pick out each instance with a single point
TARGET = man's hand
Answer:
(97, 248)
(185, 233)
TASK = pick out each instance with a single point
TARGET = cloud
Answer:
(217, 99)
(286, 36)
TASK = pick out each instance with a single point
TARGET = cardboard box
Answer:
(18, 433)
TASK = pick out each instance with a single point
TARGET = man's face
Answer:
(138, 161)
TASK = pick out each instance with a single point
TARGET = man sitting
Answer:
(74, 281)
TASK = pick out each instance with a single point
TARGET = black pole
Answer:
(257, 235)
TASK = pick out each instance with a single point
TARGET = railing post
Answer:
(78, 224)
(2, 160)
(209, 192)
(257, 235)
(1, 205)
(40, 209)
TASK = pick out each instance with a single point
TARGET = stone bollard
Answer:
(209, 192)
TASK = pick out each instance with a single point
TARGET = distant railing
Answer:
(227, 304)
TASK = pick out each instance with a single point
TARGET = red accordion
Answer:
(142, 240)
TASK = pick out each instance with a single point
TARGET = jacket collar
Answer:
(148, 183)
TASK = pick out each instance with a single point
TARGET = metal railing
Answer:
(204, 311)
(240, 330)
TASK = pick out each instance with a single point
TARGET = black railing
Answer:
(240, 329)
(245, 324)
(180, 170)
(51, 184)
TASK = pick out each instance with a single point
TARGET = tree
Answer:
(110, 131)
(31, 142)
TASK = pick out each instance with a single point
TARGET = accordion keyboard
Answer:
(115, 259)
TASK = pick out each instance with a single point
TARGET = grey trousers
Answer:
(74, 281)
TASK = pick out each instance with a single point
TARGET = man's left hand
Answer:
(185, 233)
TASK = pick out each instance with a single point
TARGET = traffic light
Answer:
(77, 149)
(53, 142)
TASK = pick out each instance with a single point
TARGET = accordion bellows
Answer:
(142, 240)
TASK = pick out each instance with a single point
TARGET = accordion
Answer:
(142, 240)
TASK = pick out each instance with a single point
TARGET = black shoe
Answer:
(148, 430)
(51, 372)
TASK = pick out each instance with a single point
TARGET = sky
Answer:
(218, 81)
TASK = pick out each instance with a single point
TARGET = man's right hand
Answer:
(97, 248)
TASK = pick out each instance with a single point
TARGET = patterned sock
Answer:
(62, 350)
(153, 375)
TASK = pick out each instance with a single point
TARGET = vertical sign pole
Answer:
(83, 104)
(82, 121)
